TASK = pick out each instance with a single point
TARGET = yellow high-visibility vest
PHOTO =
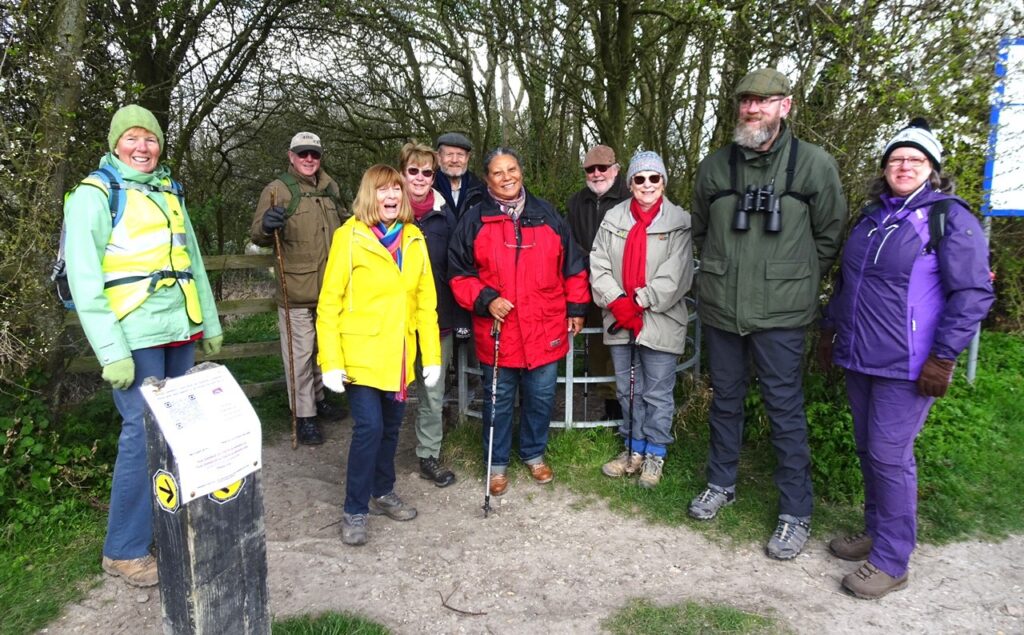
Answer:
(147, 250)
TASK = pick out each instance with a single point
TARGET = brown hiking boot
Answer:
(498, 484)
(139, 572)
(854, 548)
(650, 476)
(625, 464)
(541, 473)
(870, 583)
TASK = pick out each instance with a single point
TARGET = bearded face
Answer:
(760, 119)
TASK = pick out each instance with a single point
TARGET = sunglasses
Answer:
(414, 171)
(599, 168)
(308, 154)
(639, 179)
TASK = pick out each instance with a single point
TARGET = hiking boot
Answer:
(650, 475)
(706, 504)
(308, 431)
(870, 583)
(392, 506)
(541, 473)
(789, 538)
(330, 412)
(855, 547)
(353, 529)
(140, 572)
(432, 470)
(499, 484)
(625, 464)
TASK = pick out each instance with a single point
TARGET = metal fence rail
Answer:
(569, 379)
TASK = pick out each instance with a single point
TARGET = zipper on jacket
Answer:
(888, 232)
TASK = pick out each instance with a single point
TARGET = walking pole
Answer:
(287, 326)
(496, 333)
(586, 372)
(632, 394)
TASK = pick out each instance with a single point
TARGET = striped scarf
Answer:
(391, 238)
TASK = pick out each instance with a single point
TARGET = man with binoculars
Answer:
(768, 218)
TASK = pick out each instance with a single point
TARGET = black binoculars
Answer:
(758, 200)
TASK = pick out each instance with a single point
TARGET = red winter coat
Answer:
(535, 264)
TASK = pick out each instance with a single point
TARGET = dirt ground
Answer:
(549, 560)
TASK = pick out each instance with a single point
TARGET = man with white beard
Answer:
(768, 218)
(460, 188)
(605, 188)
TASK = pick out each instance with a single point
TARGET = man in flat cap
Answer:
(303, 206)
(605, 188)
(768, 218)
(459, 187)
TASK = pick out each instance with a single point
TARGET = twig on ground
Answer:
(329, 525)
(444, 603)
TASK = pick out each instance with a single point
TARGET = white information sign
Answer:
(210, 427)
(1004, 171)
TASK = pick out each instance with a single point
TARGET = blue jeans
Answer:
(371, 456)
(653, 400)
(130, 521)
(538, 386)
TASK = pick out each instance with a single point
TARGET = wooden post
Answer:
(211, 552)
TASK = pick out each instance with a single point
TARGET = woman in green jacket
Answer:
(143, 300)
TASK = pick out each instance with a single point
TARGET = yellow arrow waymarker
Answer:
(165, 488)
(225, 494)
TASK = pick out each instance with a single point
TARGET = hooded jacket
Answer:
(535, 264)
(305, 238)
(669, 268)
(369, 309)
(161, 318)
(894, 303)
(755, 280)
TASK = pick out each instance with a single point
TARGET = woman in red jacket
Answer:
(513, 261)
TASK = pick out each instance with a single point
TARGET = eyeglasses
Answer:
(757, 100)
(640, 179)
(914, 162)
(308, 154)
(599, 168)
(411, 171)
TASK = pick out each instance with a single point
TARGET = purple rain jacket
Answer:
(894, 304)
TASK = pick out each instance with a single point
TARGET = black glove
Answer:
(935, 377)
(273, 219)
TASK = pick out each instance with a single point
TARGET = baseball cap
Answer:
(305, 141)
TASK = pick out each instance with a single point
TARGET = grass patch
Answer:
(43, 569)
(640, 616)
(327, 624)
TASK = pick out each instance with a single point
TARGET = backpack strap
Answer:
(937, 224)
(734, 157)
(293, 191)
(791, 173)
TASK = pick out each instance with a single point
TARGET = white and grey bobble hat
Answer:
(917, 135)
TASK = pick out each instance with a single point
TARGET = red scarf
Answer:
(419, 210)
(634, 258)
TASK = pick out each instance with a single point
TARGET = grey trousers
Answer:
(429, 422)
(309, 386)
(777, 356)
(653, 399)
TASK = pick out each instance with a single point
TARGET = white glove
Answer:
(431, 374)
(335, 380)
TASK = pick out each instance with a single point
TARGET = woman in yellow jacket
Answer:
(378, 296)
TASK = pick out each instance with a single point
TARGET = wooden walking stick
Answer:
(287, 326)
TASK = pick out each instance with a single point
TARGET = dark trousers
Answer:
(371, 457)
(888, 414)
(777, 355)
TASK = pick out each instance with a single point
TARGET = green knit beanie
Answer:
(133, 116)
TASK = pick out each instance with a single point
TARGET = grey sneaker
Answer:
(625, 464)
(856, 547)
(392, 506)
(789, 538)
(353, 529)
(706, 505)
(650, 476)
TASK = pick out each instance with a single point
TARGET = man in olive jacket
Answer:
(304, 207)
(768, 218)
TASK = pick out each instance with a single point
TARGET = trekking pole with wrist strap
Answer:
(287, 326)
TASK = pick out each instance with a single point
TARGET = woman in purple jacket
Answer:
(902, 311)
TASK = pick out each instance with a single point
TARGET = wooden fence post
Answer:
(211, 552)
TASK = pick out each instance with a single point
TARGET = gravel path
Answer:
(550, 560)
